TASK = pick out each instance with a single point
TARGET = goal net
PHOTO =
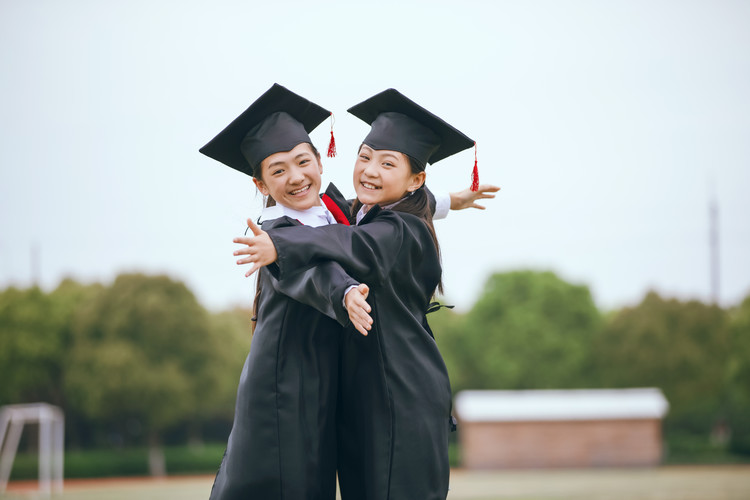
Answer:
(51, 442)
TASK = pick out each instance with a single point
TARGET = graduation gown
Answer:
(283, 439)
(394, 393)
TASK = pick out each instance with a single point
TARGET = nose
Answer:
(296, 176)
(370, 170)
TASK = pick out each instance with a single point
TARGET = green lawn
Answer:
(726, 482)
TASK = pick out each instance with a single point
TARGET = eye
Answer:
(278, 171)
(388, 164)
(364, 156)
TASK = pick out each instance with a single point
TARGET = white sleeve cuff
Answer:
(442, 204)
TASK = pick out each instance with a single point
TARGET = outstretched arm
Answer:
(325, 287)
(468, 198)
(367, 252)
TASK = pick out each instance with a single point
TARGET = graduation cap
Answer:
(277, 121)
(400, 124)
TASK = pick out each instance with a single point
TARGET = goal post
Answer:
(51, 442)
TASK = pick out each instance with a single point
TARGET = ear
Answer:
(416, 181)
(261, 186)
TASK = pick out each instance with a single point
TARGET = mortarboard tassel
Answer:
(474, 173)
(332, 144)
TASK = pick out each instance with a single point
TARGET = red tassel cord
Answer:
(332, 144)
(475, 172)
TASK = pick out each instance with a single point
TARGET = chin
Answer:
(367, 198)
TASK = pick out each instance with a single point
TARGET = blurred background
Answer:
(616, 254)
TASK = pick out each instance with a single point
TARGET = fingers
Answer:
(358, 308)
(361, 329)
(365, 291)
(244, 240)
(488, 187)
(254, 268)
(253, 227)
(476, 205)
(245, 251)
(360, 320)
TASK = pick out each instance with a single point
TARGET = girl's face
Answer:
(383, 177)
(292, 178)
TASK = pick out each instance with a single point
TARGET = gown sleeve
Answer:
(367, 252)
(321, 287)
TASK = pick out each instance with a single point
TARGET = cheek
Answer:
(358, 168)
(276, 187)
(397, 180)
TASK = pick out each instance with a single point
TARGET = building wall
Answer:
(489, 445)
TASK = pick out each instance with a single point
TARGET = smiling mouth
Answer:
(301, 190)
(367, 185)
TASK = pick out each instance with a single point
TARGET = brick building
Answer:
(560, 428)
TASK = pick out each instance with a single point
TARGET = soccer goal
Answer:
(51, 442)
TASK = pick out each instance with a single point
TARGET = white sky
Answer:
(608, 124)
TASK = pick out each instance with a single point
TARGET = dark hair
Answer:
(270, 202)
(418, 203)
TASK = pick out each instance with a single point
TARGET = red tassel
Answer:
(332, 144)
(475, 172)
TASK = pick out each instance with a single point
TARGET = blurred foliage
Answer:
(738, 378)
(141, 358)
(132, 461)
(529, 330)
(144, 341)
(532, 330)
(680, 347)
(127, 362)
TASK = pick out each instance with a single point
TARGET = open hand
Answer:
(468, 198)
(259, 249)
(358, 308)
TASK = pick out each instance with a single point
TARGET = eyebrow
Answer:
(270, 165)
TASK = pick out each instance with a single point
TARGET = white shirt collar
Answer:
(315, 216)
(361, 213)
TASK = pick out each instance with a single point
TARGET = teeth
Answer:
(297, 191)
(369, 186)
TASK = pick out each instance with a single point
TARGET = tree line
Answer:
(140, 361)
(134, 362)
(533, 330)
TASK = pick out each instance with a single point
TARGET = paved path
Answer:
(662, 483)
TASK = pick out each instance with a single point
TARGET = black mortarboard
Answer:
(277, 121)
(400, 124)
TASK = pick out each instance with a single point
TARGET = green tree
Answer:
(139, 351)
(528, 330)
(680, 347)
(34, 340)
(738, 377)
(228, 340)
(31, 348)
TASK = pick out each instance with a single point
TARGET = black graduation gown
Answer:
(394, 392)
(283, 439)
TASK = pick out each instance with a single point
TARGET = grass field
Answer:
(728, 482)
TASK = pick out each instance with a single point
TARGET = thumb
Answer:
(253, 227)
(364, 290)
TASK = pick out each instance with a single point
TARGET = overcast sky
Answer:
(609, 125)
